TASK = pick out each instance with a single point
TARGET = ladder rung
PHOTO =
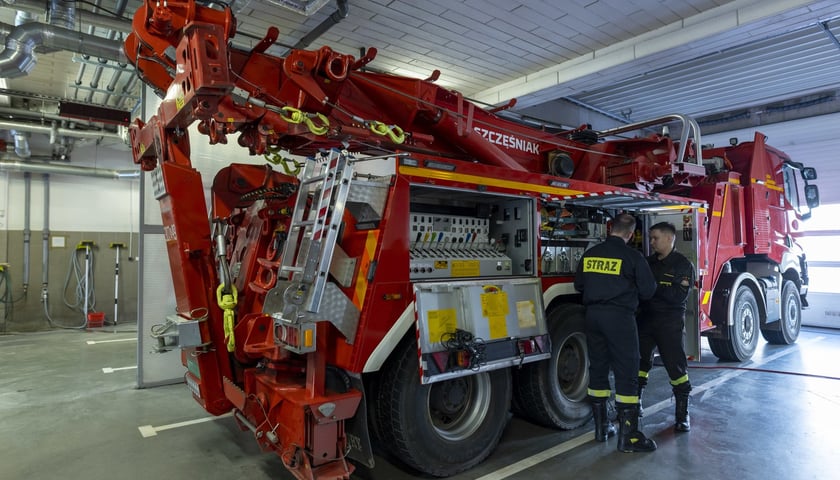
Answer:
(315, 179)
(292, 269)
(302, 223)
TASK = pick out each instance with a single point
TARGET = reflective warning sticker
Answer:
(441, 322)
(608, 266)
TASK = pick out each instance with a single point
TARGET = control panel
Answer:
(454, 246)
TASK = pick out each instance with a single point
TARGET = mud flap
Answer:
(356, 429)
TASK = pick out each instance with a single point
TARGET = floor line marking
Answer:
(94, 342)
(150, 431)
(112, 370)
(587, 437)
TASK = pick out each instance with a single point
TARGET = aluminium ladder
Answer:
(315, 225)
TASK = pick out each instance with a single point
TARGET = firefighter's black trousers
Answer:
(664, 331)
(613, 342)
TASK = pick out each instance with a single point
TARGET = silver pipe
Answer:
(97, 74)
(127, 88)
(94, 83)
(83, 65)
(688, 124)
(19, 112)
(45, 235)
(48, 130)
(61, 169)
(27, 233)
(18, 58)
(337, 16)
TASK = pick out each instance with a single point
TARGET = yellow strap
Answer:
(227, 302)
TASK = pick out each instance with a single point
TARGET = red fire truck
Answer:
(414, 305)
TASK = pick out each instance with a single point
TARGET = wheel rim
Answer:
(572, 368)
(792, 318)
(458, 407)
(747, 319)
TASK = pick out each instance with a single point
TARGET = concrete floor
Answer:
(63, 417)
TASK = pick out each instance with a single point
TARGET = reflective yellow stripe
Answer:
(494, 182)
(643, 374)
(706, 296)
(598, 393)
(680, 380)
(771, 184)
(360, 291)
(631, 399)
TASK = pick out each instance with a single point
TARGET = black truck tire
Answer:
(441, 428)
(743, 333)
(791, 320)
(552, 392)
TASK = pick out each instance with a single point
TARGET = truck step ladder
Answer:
(315, 225)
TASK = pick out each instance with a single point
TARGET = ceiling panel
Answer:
(483, 46)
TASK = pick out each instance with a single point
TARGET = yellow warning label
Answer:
(465, 268)
(498, 327)
(494, 304)
(608, 266)
(179, 102)
(441, 264)
(441, 322)
(525, 314)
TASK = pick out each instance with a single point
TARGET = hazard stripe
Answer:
(361, 279)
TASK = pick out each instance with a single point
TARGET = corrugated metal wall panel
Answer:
(759, 72)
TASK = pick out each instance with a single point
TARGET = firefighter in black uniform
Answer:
(612, 277)
(662, 319)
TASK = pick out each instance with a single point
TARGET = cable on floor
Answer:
(763, 370)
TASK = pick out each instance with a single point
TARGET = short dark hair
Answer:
(623, 224)
(665, 227)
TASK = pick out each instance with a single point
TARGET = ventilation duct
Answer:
(21, 143)
(18, 58)
(62, 13)
(88, 17)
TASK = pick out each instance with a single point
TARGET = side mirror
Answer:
(812, 196)
(809, 173)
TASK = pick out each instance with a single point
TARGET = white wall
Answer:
(77, 203)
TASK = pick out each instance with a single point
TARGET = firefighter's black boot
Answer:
(642, 384)
(630, 439)
(682, 422)
(604, 429)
